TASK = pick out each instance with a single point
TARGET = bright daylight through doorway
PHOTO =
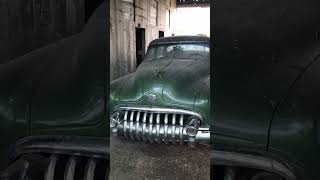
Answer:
(193, 21)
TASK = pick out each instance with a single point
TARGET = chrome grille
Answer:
(76, 167)
(58, 157)
(153, 124)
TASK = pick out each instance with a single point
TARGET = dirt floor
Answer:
(132, 160)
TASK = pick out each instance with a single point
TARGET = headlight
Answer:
(114, 120)
(192, 127)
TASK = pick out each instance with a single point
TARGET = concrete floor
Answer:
(138, 160)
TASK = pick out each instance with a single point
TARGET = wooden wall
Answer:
(125, 16)
(26, 25)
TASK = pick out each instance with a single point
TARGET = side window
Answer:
(169, 49)
(160, 52)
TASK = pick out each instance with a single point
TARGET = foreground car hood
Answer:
(63, 83)
(180, 83)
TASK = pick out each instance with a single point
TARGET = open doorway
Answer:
(193, 20)
(90, 7)
(140, 45)
(161, 34)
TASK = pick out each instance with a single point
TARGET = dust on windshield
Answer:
(178, 51)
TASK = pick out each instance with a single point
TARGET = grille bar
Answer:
(173, 128)
(52, 167)
(150, 128)
(131, 125)
(144, 127)
(166, 140)
(125, 123)
(70, 168)
(137, 127)
(181, 129)
(90, 169)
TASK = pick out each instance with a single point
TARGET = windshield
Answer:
(178, 51)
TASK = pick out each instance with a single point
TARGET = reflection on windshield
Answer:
(178, 51)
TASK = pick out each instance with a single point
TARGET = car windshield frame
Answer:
(178, 51)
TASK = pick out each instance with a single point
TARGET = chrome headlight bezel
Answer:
(114, 120)
(193, 126)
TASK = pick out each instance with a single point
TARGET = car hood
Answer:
(179, 83)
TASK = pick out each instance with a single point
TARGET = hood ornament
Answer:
(157, 73)
(152, 98)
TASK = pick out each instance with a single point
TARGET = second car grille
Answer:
(58, 157)
(74, 167)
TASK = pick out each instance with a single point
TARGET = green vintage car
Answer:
(53, 109)
(166, 100)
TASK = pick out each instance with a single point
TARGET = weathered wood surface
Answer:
(26, 25)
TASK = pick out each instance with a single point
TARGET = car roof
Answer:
(180, 39)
